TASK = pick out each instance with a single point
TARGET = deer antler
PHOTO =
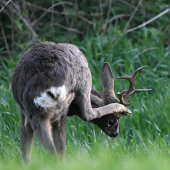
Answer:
(123, 97)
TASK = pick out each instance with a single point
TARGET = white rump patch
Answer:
(45, 100)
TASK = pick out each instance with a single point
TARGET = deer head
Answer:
(110, 123)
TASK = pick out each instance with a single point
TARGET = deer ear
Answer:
(107, 80)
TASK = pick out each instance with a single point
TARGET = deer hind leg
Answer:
(59, 135)
(42, 131)
(26, 137)
(83, 100)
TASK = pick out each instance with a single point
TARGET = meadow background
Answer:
(102, 29)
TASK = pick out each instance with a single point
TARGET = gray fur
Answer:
(47, 65)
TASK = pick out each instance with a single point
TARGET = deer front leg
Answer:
(59, 135)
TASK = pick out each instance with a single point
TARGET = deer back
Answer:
(47, 73)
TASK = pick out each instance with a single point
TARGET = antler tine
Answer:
(131, 79)
(132, 89)
(121, 98)
(135, 91)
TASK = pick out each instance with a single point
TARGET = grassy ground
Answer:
(144, 138)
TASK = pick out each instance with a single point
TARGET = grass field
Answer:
(144, 138)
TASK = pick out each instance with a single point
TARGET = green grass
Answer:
(105, 158)
(144, 138)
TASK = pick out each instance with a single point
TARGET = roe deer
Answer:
(53, 80)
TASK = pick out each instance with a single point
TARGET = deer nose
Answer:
(115, 134)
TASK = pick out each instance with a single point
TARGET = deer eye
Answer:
(112, 122)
